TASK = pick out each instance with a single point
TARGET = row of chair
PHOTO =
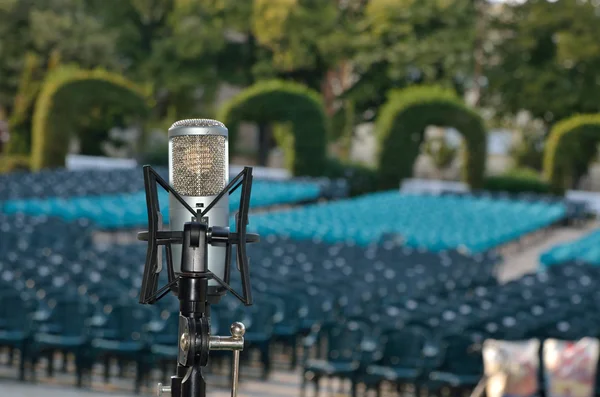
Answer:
(585, 249)
(70, 294)
(63, 183)
(436, 223)
(128, 210)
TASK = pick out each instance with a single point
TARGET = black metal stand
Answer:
(191, 285)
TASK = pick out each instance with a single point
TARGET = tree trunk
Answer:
(264, 143)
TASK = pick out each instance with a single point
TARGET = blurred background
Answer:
(426, 182)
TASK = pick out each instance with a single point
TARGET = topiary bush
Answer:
(401, 124)
(10, 163)
(298, 114)
(518, 180)
(570, 141)
(361, 179)
(68, 92)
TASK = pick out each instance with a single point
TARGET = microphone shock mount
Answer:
(191, 285)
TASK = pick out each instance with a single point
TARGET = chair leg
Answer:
(79, 368)
(164, 371)
(22, 361)
(303, 385)
(266, 359)
(139, 376)
(50, 369)
(353, 388)
(11, 355)
(65, 362)
(107, 369)
(294, 360)
(316, 381)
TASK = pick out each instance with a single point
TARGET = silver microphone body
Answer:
(198, 171)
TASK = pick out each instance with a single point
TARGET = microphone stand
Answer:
(195, 341)
(191, 283)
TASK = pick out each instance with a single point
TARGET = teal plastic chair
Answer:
(128, 340)
(16, 332)
(69, 334)
(342, 358)
(402, 359)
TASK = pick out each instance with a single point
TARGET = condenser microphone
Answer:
(199, 171)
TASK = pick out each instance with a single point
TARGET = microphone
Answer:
(198, 246)
(199, 171)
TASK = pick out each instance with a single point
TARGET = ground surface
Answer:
(519, 259)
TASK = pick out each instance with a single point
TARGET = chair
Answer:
(16, 330)
(260, 322)
(402, 359)
(461, 366)
(127, 340)
(343, 356)
(69, 333)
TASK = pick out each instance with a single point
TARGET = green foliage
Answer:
(45, 27)
(401, 124)
(570, 147)
(68, 93)
(529, 152)
(342, 127)
(440, 152)
(20, 119)
(545, 59)
(406, 42)
(518, 180)
(156, 156)
(361, 179)
(10, 163)
(297, 113)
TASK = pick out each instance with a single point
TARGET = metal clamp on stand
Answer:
(234, 342)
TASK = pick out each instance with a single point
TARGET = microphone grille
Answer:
(198, 123)
(199, 164)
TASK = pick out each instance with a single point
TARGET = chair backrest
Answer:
(404, 347)
(344, 341)
(15, 308)
(70, 313)
(461, 355)
(128, 319)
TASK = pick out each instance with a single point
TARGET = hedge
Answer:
(361, 179)
(564, 145)
(518, 180)
(68, 92)
(301, 125)
(13, 162)
(401, 124)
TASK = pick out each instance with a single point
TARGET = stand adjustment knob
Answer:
(163, 390)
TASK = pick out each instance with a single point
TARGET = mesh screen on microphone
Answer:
(198, 163)
(198, 123)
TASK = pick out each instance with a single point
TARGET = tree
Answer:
(441, 153)
(34, 37)
(404, 42)
(545, 59)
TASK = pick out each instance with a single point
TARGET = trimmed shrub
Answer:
(361, 179)
(157, 156)
(67, 92)
(518, 180)
(298, 114)
(570, 141)
(401, 125)
(10, 163)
